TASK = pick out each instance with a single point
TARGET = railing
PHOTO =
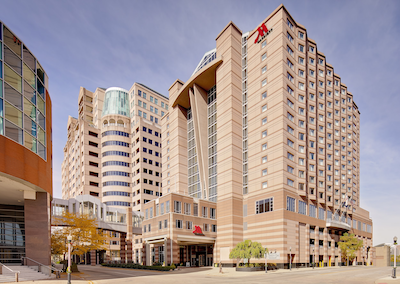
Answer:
(337, 224)
(48, 268)
(16, 272)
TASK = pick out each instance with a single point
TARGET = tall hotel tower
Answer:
(262, 143)
(113, 149)
(26, 170)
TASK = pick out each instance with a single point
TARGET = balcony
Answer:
(338, 225)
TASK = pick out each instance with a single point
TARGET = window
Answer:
(264, 134)
(265, 205)
(264, 185)
(289, 36)
(311, 49)
(189, 225)
(263, 82)
(290, 143)
(195, 209)
(290, 51)
(302, 207)
(301, 86)
(290, 64)
(301, 73)
(290, 103)
(290, 130)
(264, 69)
(264, 147)
(290, 182)
(290, 156)
(213, 214)
(204, 212)
(289, 24)
(264, 108)
(290, 77)
(264, 159)
(187, 208)
(264, 95)
(301, 35)
(264, 121)
(312, 211)
(179, 224)
(301, 61)
(290, 204)
(264, 172)
(290, 169)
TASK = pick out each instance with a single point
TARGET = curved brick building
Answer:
(25, 153)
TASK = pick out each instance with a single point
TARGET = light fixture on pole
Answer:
(290, 258)
(394, 256)
(266, 264)
(313, 262)
(69, 239)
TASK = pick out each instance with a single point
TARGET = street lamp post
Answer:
(363, 256)
(313, 263)
(394, 256)
(290, 258)
(266, 264)
(69, 238)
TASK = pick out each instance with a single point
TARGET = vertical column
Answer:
(37, 228)
(122, 247)
(129, 251)
(229, 129)
(93, 261)
(175, 160)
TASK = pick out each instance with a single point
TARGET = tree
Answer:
(247, 250)
(349, 244)
(83, 229)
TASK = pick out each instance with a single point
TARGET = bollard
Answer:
(1, 269)
(16, 276)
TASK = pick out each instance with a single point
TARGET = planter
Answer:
(249, 269)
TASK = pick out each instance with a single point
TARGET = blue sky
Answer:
(116, 43)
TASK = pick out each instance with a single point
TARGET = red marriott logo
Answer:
(262, 33)
(197, 230)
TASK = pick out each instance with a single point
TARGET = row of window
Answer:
(152, 99)
(115, 143)
(116, 183)
(116, 173)
(115, 153)
(116, 193)
(114, 132)
(117, 203)
(116, 163)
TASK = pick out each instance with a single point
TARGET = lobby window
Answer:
(290, 204)
(265, 205)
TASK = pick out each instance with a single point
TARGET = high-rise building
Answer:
(25, 153)
(263, 143)
(113, 149)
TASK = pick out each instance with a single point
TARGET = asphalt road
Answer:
(343, 275)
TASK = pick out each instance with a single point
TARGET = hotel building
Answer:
(25, 153)
(113, 150)
(261, 143)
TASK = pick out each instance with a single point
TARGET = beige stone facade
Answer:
(113, 149)
(267, 131)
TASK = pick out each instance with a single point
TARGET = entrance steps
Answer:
(27, 273)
